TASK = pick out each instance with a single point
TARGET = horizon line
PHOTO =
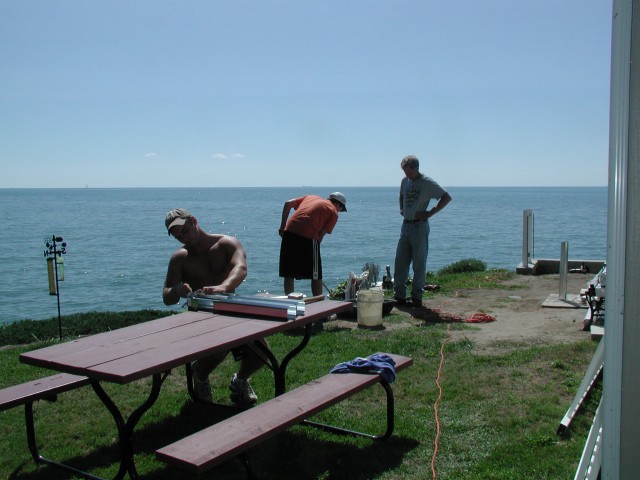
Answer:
(86, 187)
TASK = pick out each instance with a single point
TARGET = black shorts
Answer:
(300, 257)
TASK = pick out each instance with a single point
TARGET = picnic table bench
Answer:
(27, 393)
(152, 349)
(213, 445)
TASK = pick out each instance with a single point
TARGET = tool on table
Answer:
(275, 307)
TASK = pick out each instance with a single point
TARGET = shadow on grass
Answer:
(431, 316)
(290, 455)
(293, 455)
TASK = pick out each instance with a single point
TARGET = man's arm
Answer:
(174, 288)
(286, 209)
(237, 264)
(237, 267)
(443, 202)
(328, 226)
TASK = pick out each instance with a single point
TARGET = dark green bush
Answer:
(75, 325)
(464, 266)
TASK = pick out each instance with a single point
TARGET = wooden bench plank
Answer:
(43, 388)
(217, 443)
(38, 389)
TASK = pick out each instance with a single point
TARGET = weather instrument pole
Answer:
(56, 247)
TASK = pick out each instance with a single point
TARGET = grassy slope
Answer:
(498, 415)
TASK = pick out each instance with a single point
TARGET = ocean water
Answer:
(118, 248)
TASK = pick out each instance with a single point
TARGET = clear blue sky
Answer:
(153, 93)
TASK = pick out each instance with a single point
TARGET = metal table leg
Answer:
(344, 431)
(35, 452)
(279, 368)
(126, 427)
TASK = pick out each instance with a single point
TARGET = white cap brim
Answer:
(176, 223)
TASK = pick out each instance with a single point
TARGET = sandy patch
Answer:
(520, 317)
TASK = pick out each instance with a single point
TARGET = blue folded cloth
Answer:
(377, 363)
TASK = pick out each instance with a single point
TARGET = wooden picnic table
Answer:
(154, 348)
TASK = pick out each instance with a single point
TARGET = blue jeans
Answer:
(413, 248)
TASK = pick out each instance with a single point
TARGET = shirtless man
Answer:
(209, 263)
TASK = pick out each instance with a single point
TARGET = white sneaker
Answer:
(201, 388)
(241, 392)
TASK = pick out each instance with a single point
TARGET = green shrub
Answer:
(74, 325)
(338, 292)
(464, 266)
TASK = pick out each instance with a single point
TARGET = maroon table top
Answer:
(156, 346)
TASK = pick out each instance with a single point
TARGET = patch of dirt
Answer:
(520, 317)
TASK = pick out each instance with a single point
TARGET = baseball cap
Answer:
(338, 197)
(177, 216)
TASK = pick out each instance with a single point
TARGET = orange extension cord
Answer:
(435, 405)
(480, 317)
(477, 317)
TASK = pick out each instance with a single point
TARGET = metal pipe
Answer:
(527, 237)
(564, 269)
(293, 307)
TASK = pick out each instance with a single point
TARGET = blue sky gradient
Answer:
(287, 93)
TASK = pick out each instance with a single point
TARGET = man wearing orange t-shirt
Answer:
(301, 234)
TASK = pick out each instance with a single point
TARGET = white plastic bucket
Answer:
(370, 307)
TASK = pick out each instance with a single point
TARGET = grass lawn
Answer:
(498, 415)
